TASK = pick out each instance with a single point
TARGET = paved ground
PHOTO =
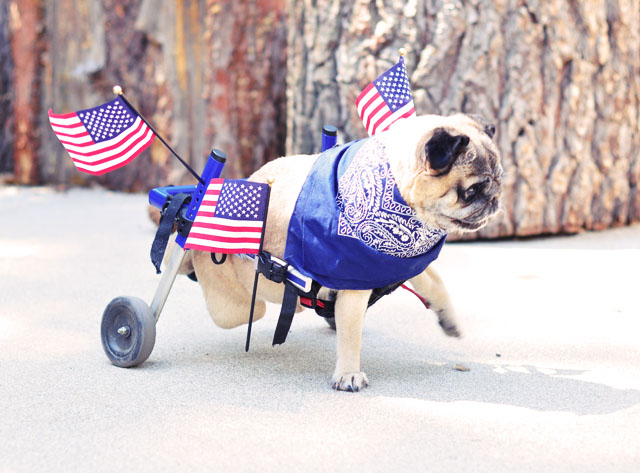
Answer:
(552, 341)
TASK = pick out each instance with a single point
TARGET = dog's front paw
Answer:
(448, 323)
(450, 329)
(352, 382)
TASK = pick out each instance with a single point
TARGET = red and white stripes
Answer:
(99, 158)
(222, 235)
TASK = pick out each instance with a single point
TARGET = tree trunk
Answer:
(205, 73)
(6, 102)
(558, 78)
(107, 47)
(244, 92)
(25, 19)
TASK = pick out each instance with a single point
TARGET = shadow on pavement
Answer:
(305, 365)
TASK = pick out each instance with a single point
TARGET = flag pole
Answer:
(402, 52)
(270, 181)
(118, 91)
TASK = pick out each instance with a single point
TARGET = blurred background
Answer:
(258, 78)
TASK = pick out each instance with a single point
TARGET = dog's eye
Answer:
(470, 193)
(473, 192)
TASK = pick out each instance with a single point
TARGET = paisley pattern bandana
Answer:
(372, 210)
(351, 229)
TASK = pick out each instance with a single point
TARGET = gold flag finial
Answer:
(117, 90)
(402, 52)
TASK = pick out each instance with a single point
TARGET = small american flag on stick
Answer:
(386, 100)
(103, 138)
(230, 218)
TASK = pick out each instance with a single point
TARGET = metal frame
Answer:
(166, 281)
(144, 328)
(157, 198)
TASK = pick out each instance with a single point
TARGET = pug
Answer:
(396, 197)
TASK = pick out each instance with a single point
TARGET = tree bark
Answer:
(93, 46)
(205, 73)
(245, 44)
(559, 78)
(25, 19)
(6, 102)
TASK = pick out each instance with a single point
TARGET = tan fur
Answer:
(435, 198)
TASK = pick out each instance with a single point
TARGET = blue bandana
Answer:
(351, 229)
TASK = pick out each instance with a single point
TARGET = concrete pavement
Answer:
(552, 343)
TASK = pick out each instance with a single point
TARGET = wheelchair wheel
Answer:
(128, 331)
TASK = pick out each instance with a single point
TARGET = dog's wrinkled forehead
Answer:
(458, 141)
(479, 129)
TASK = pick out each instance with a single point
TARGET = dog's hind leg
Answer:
(350, 309)
(429, 285)
(228, 301)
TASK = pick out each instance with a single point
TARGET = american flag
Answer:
(386, 99)
(230, 218)
(103, 138)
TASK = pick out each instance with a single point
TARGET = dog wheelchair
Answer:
(128, 327)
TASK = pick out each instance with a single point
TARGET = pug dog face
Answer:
(454, 178)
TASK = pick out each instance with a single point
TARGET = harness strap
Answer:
(422, 299)
(289, 303)
(164, 229)
(380, 292)
(277, 270)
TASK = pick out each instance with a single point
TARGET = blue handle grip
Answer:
(329, 137)
(158, 196)
(213, 169)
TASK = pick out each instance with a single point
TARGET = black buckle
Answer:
(183, 223)
(171, 210)
(270, 269)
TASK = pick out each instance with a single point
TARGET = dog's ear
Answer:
(488, 127)
(443, 149)
(490, 130)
